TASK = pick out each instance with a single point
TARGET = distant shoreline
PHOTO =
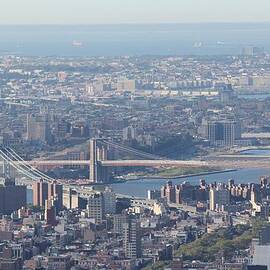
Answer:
(172, 177)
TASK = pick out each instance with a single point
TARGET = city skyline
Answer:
(135, 135)
(115, 12)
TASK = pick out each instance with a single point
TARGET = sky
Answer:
(132, 11)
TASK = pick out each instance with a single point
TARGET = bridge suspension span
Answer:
(11, 159)
(99, 163)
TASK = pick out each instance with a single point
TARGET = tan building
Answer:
(70, 198)
(43, 191)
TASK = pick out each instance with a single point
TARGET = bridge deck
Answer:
(228, 161)
(120, 163)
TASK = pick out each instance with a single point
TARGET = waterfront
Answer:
(139, 187)
(261, 152)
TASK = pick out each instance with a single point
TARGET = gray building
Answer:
(132, 238)
(222, 132)
(95, 207)
(12, 197)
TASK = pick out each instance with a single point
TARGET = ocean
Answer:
(133, 40)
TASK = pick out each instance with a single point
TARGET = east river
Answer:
(139, 188)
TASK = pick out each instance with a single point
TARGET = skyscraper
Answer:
(132, 238)
(118, 221)
(12, 197)
(168, 192)
(40, 193)
(38, 128)
(43, 191)
(222, 132)
(109, 200)
(173, 194)
(70, 198)
(55, 192)
(50, 212)
(95, 207)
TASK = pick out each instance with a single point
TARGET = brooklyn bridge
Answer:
(99, 164)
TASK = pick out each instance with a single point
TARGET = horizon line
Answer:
(133, 23)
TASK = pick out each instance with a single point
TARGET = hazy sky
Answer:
(131, 11)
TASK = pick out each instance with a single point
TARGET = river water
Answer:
(139, 188)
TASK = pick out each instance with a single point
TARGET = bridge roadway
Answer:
(120, 163)
(226, 162)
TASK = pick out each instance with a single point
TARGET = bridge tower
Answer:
(6, 169)
(98, 153)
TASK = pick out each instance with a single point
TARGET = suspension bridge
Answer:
(99, 164)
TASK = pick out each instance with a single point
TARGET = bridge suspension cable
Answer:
(18, 168)
(132, 150)
(24, 164)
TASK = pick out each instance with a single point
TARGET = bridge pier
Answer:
(98, 152)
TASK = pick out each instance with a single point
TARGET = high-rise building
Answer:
(70, 198)
(62, 128)
(172, 194)
(127, 85)
(118, 221)
(50, 212)
(109, 200)
(222, 132)
(12, 197)
(219, 197)
(40, 193)
(55, 192)
(178, 196)
(132, 238)
(43, 191)
(168, 192)
(255, 194)
(252, 51)
(98, 87)
(129, 133)
(95, 207)
(226, 94)
(38, 128)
